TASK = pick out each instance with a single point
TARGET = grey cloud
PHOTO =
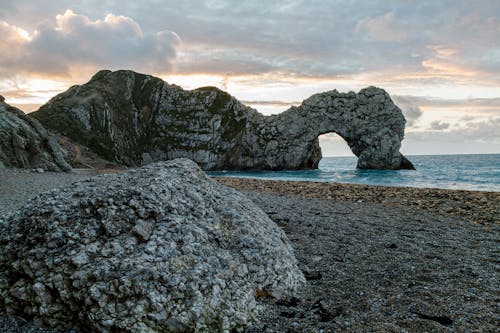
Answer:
(487, 130)
(440, 102)
(439, 125)
(479, 131)
(328, 38)
(75, 41)
(485, 106)
(382, 28)
(410, 109)
(467, 118)
(311, 38)
(227, 62)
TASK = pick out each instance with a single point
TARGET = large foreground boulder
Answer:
(157, 249)
(24, 143)
(133, 119)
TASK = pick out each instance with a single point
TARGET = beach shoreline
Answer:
(18, 185)
(476, 206)
(375, 258)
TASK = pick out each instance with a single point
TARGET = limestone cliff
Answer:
(24, 143)
(135, 119)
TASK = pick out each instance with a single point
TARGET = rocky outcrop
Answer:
(158, 249)
(135, 119)
(24, 143)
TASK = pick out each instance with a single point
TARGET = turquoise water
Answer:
(464, 172)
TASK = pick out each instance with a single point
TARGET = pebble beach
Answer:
(375, 258)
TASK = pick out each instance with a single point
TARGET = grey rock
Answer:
(143, 229)
(158, 249)
(24, 143)
(134, 119)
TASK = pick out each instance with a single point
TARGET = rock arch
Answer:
(133, 119)
(370, 123)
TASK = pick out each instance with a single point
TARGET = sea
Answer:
(479, 172)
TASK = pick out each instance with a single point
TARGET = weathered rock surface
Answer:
(157, 249)
(24, 143)
(135, 119)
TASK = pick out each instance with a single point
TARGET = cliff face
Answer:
(24, 143)
(135, 119)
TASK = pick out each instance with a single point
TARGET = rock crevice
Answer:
(135, 119)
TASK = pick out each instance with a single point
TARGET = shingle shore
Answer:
(476, 206)
(376, 258)
(375, 267)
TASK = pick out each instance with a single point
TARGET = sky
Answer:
(439, 60)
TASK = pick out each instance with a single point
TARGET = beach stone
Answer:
(24, 143)
(135, 119)
(159, 248)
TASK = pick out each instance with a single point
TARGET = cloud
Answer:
(381, 28)
(434, 102)
(410, 109)
(75, 41)
(487, 130)
(11, 44)
(305, 38)
(465, 109)
(438, 125)
(467, 118)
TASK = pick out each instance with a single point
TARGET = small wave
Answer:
(464, 172)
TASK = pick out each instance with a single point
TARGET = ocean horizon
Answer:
(476, 172)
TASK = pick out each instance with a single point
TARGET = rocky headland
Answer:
(134, 119)
(25, 143)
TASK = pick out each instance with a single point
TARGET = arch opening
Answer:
(335, 152)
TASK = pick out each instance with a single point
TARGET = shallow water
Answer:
(465, 172)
